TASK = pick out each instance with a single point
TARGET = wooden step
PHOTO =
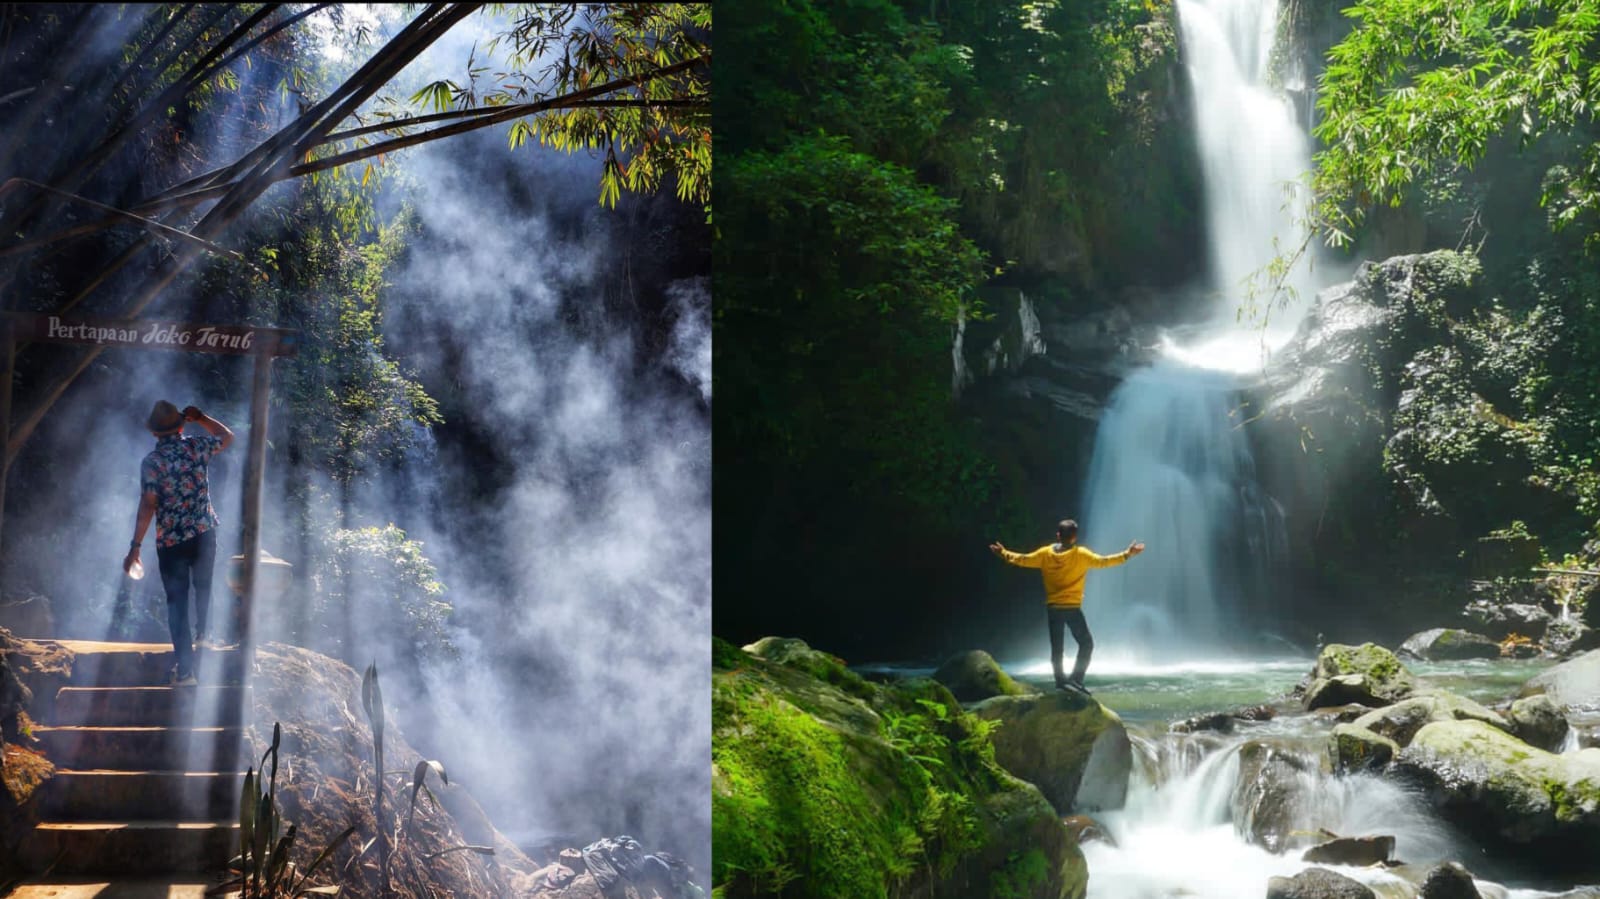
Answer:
(150, 706)
(143, 748)
(129, 847)
(101, 664)
(73, 795)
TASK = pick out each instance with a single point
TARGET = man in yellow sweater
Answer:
(1064, 566)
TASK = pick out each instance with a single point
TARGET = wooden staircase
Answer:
(148, 775)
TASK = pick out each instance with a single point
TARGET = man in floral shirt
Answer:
(176, 493)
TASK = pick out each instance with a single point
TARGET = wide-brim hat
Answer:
(164, 418)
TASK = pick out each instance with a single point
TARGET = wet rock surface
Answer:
(1355, 851)
(1268, 794)
(1318, 883)
(1516, 798)
(1448, 881)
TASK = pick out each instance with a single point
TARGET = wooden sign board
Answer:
(233, 340)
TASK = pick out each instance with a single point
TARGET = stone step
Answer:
(150, 706)
(172, 886)
(102, 664)
(73, 795)
(143, 748)
(128, 847)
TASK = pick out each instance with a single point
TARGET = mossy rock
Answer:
(796, 654)
(1541, 807)
(868, 790)
(1401, 721)
(1367, 674)
(974, 676)
(1356, 748)
(1075, 749)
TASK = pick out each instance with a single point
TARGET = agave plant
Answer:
(385, 839)
(262, 869)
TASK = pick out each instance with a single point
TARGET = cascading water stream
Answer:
(1180, 832)
(1171, 464)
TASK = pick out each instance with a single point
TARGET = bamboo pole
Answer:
(250, 506)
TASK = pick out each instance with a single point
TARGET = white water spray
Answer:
(1178, 835)
(1171, 464)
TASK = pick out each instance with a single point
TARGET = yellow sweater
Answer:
(1064, 570)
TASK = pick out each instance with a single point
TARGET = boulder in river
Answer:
(1401, 721)
(1537, 721)
(1075, 749)
(1267, 792)
(975, 676)
(1355, 748)
(1448, 881)
(1445, 644)
(1318, 883)
(1542, 807)
(1573, 685)
(1368, 674)
(1354, 851)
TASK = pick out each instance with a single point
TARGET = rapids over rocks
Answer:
(1217, 805)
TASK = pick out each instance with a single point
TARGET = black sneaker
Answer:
(1078, 685)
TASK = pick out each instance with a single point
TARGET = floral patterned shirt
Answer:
(175, 471)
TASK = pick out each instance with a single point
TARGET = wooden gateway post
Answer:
(265, 344)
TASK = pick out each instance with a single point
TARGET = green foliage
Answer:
(870, 274)
(1421, 85)
(379, 577)
(659, 131)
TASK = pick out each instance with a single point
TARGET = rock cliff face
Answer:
(1390, 432)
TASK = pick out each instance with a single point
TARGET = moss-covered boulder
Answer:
(974, 676)
(1352, 747)
(1367, 674)
(1574, 685)
(1075, 749)
(1401, 721)
(1444, 644)
(868, 790)
(1542, 807)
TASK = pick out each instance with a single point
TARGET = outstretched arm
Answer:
(1098, 561)
(213, 427)
(1034, 559)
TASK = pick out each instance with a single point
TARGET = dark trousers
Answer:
(181, 563)
(1061, 619)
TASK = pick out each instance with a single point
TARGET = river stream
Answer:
(1180, 834)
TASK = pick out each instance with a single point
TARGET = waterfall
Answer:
(1171, 464)
(1179, 833)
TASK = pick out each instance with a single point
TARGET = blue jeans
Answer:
(193, 560)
